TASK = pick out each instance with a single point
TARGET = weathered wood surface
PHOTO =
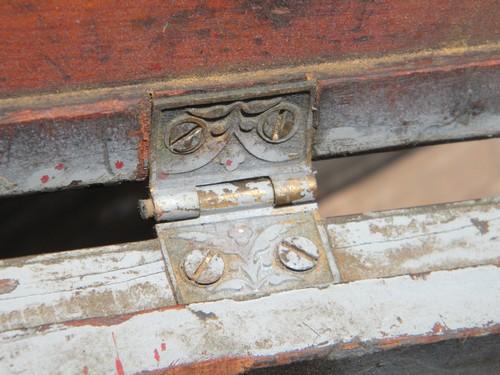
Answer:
(102, 136)
(407, 108)
(471, 356)
(121, 279)
(89, 283)
(71, 147)
(112, 310)
(50, 46)
(228, 337)
(391, 74)
(416, 241)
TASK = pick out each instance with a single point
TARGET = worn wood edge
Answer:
(68, 166)
(240, 365)
(416, 241)
(85, 284)
(446, 305)
(56, 257)
(472, 203)
(450, 57)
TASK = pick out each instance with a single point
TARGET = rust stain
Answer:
(239, 365)
(8, 285)
(210, 199)
(482, 225)
(294, 189)
(223, 366)
(350, 345)
(108, 321)
(442, 333)
(144, 118)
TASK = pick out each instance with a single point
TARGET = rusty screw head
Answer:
(298, 253)
(204, 267)
(279, 124)
(186, 136)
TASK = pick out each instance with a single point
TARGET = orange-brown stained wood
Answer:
(49, 45)
(238, 365)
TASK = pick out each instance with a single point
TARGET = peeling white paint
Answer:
(82, 284)
(402, 242)
(290, 321)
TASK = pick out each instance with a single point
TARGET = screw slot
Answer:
(298, 253)
(279, 124)
(186, 135)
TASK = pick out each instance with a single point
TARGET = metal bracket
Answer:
(226, 169)
(200, 141)
(246, 254)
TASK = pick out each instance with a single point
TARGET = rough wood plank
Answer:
(88, 283)
(227, 337)
(48, 45)
(416, 241)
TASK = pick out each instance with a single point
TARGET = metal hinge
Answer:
(231, 178)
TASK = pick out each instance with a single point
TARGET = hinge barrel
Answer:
(230, 196)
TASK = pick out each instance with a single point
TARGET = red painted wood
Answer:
(47, 45)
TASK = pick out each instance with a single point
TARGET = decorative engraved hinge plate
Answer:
(231, 178)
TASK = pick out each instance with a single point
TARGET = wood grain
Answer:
(52, 45)
(416, 241)
(88, 283)
(227, 337)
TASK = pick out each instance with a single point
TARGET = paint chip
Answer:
(8, 285)
(44, 179)
(438, 328)
(482, 225)
(119, 164)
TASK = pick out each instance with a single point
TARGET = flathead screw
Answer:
(185, 137)
(204, 267)
(298, 253)
(279, 125)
